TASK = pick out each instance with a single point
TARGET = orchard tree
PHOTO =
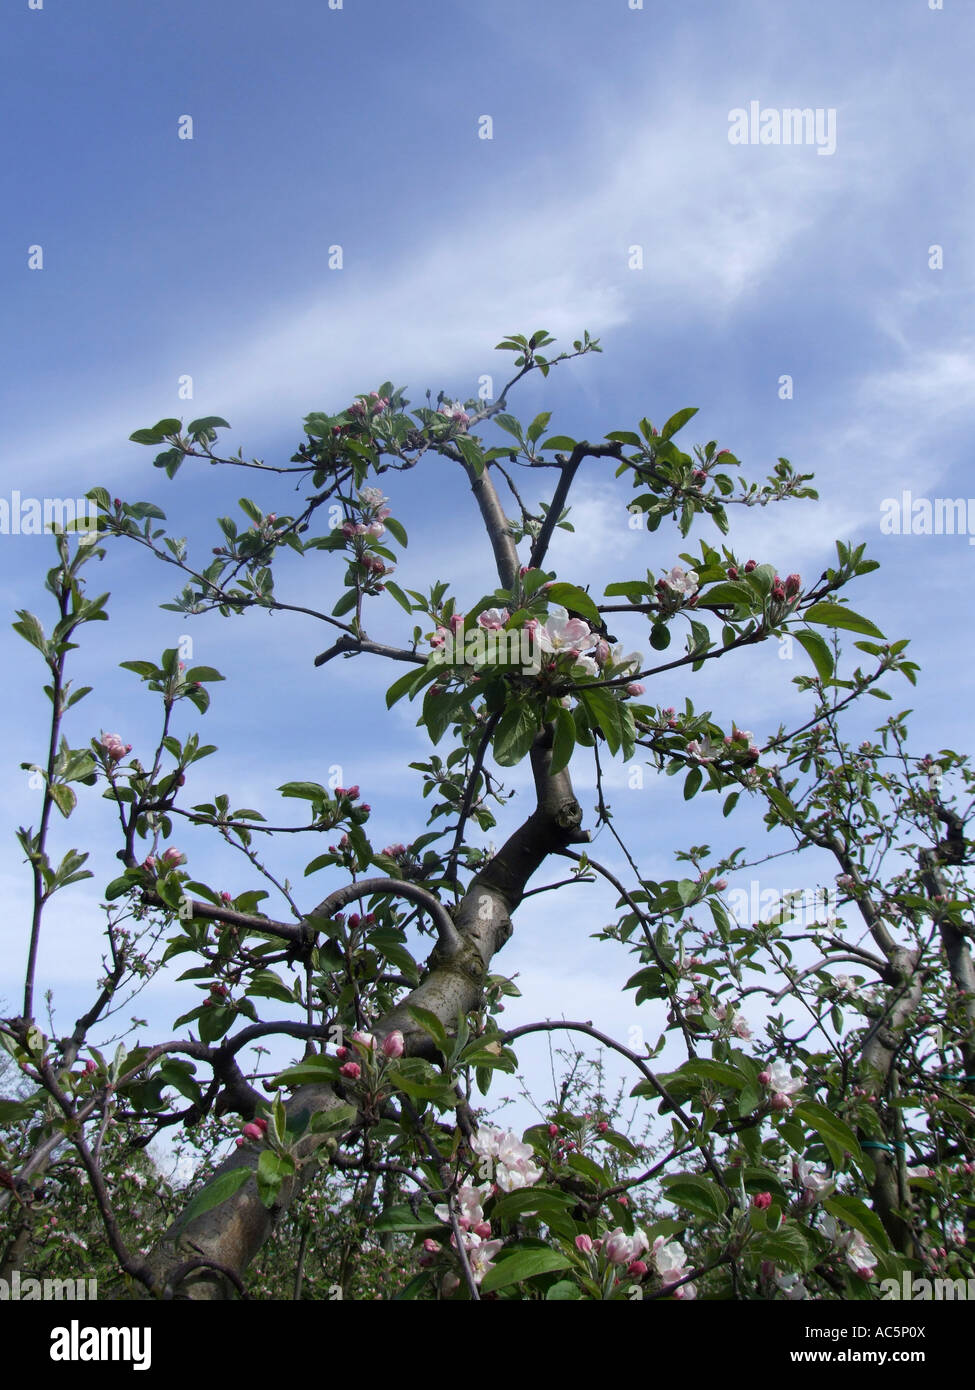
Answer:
(830, 1157)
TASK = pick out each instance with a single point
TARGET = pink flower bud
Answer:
(793, 583)
(90, 1067)
(364, 1040)
(780, 1101)
(584, 1244)
(636, 1269)
(732, 571)
(623, 1200)
(764, 1077)
(172, 857)
(602, 1126)
(226, 897)
(553, 1131)
(483, 1229)
(431, 1246)
(351, 1069)
(721, 884)
(762, 1201)
(394, 1044)
(341, 1053)
(251, 1131)
(750, 565)
(635, 688)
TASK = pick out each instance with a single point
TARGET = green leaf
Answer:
(837, 615)
(818, 649)
(316, 1071)
(569, 596)
(856, 1214)
(30, 629)
(515, 734)
(307, 791)
(63, 797)
(510, 425)
(401, 1218)
(604, 710)
(521, 1265)
(728, 591)
(677, 422)
(695, 1193)
(565, 1289)
(787, 1247)
(403, 684)
(397, 530)
(206, 422)
(561, 442)
(563, 741)
(221, 1189)
(835, 1133)
(538, 426)
(431, 1024)
(12, 1111)
(403, 602)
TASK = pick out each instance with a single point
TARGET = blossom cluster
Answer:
(513, 1159)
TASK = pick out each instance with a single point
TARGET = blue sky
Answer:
(359, 127)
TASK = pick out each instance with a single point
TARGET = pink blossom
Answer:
(493, 619)
(394, 1044)
(455, 411)
(670, 1259)
(681, 582)
(564, 634)
(115, 748)
(481, 1255)
(617, 1248)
